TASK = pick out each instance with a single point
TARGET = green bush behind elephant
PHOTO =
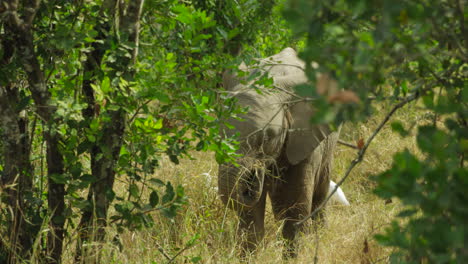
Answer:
(283, 154)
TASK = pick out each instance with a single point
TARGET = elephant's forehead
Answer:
(281, 67)
(262, 102)
(283, 64)
(264, 112)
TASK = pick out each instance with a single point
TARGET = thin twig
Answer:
(169, 259)
(273, 63)
(291, 93)
(372, 97)
(178, 253)
(317, 241)
(160, 249)
(361, 153)
(344, 143)
(302, 99)
(142, 212)
(137, 111)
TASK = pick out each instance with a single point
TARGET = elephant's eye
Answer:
(248, 192)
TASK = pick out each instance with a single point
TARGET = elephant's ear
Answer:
(303, 136)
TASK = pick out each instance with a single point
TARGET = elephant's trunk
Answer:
(241, 186)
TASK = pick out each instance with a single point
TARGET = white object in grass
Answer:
(339, 195)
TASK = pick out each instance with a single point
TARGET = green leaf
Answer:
(404, 88)
(200, 145)
(105, 85)
(170, 212)
(94, 124)
(174, 159)
(59, 178)
(154, 198)
(407, 213)
(169, 56)
(169, 194)
(91, 137)
(305, 90)
(134, 191)
(156, 182)
(87, 178)
(434, 141)
(196, 259)
(123, 151)
(158, 124)
(398, 127)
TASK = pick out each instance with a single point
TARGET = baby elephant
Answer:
(283, 154)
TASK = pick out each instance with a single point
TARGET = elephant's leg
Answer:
(324, 159)
(291, 197)
(251, 225)
(320, 193)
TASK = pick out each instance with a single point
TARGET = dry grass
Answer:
(341, 241)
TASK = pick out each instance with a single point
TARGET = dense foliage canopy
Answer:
(407, 52)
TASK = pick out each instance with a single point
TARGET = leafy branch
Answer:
(361, 153)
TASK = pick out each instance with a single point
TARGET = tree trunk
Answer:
(87, 226)
(105, 152)
(94, 220)
(55, 200)
(56, 195)
(20, 30)
(16, 178)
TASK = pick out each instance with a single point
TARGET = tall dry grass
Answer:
(346, 238)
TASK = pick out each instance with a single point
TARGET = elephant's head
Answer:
(277, 123)
(241, 184)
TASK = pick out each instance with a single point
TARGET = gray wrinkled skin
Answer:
(284, 155)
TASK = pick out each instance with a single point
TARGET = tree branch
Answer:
(30, 10)
(22, 35)
(131, 25)
(347, 144)
(160, 249)
(178, 253)
(104, 168)
(23, 39)
(10, 9)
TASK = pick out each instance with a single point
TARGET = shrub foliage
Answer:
(94, 94)
(405, 52)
